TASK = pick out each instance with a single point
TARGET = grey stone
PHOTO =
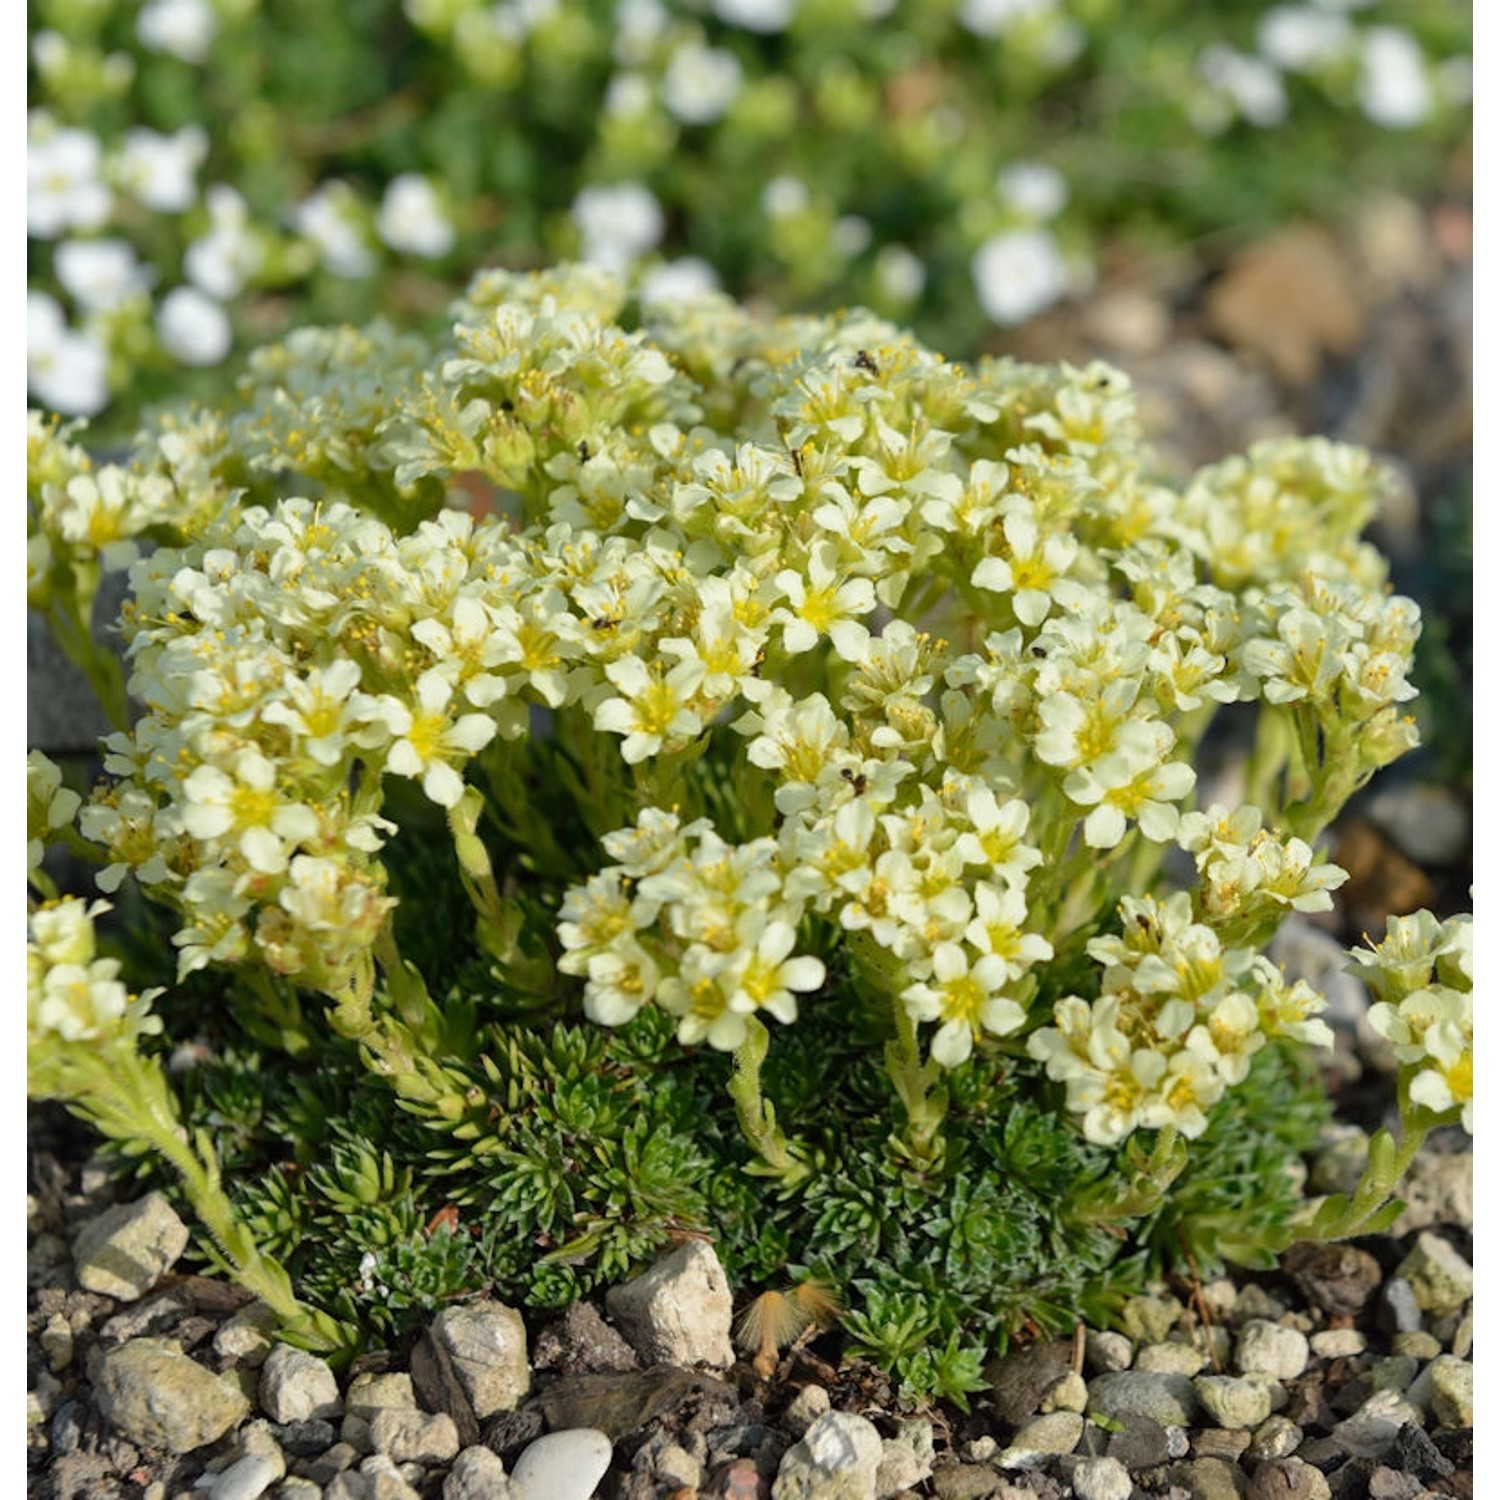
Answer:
(56, 1341)
(1452, 1391)
(1101, 1479)
(124, 1251)
(1288, 1479)
(1167, 1399)
(1219, 1442)
(810, 1403)
(1138, 1442)
(368, 1394)
(296, 1386)
(1400, 1311)
(837, 1458)
(1234, 1402)
(1149, 1320)
(1170, 1358)
(1337, 1343)
(582, 1343)
(1071, 1393)
(259, 1464)
(906, 1459)
(306, 1439)
(477, 1474)
(968, 1482)
(248, 1336)
(487, 1341)
(1440, 1278)
(1263, 1348)
(1371, 1431)
(153, 1394)
(1034, 1442)
(674, 1465)
(680, 1311)
(1418, 1345)
(155, 1316)
(385, 1481)
(62, 711)
(414, 1436)
(1276, 1437)
(561, 1466)
(295, 1488)
(1107, 1352)
(1437, 1189)
(1210, 1479)
(1019, 1378)
(1428, 824)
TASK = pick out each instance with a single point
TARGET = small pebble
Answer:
(1276, 1437)
(1106, 1351)
(1288, 1479)
(1101, 1479)
(1264, 1348)
(1338, 1343)
(564, 1465)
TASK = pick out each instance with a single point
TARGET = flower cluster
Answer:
(764, 144)
(1423, 973)
(72, 994)
(862, 667)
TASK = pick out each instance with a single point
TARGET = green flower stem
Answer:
(1268, 760)
(780, 1158)
(71, 629)
(917, 1086)
(127, 1097)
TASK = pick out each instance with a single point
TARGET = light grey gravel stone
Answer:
(680, 1311)
(124, 1251)
(1452, 1391)
(1101, 1479)
(1399, 1305)
(565, 1465)
(151, 1393)
(1107, 1352)
(1264, 1348)
(837, 1458)
(414, 1436)
(1167, 1399)
(1149, 1319)
(56, 1341)
(294, 1488)
(1437, 1189)
(247, 1337)
(385, 1481)
(258, 1465)
(1276, 1437)
(296, 1386)
(488, 1343)
(477, 1474)
(1337, 1343)
(1170, 1358)
(349, 1485)
(368, 1394)
(1441, 1279)
(1232, 1401)
(806, 1407)
(1370, 1431)
(1070, 1393)
(1210, 1479)
(676, 1466)
(906, 1459)
(1418, 1344)
(1042, 1438)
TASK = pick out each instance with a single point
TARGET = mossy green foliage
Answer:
(585, 1152)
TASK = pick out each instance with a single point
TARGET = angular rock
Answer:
(487, 1342)
(296, 1386)
(1019, 1378)
(124, 1251)
(1042, 1438)
(1264, 1348)
(905, 1460)
(1101, 1479)
(1171, 1358)
(1138, 1442)
(1371, 1431)
(1440, 1278)
(1232, 1402)
(1287, 1479)
(1428, 824)
(439, 1387)
(1452, 1391)
(1167, 1399)
(582, 1343)
(837, 1459)
(1071, 1393)
(810, 1403)
(368, 1394)
(477, 1474)
(680, 1311)
(248, 1336)
(1338, 1278)
(561, 1466)
(1276, 1437)
(616, 1404)
(967, 1482)
(414, 1436)
(155, 1395)
(384, 1481)
(1210, 1479)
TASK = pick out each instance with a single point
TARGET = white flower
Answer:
(1018, 273)
(99, 274)
(63, 190)
(618, 223)
(427, 739)
(963, 997)
(678, 281)
(411, 218)
(157, 170)
(901, 274)
(1302, 38)
(996, 17)
(653, 710)
(621, 980)
(700, 82)
(852, 234)
(784, 196)
(246, 810)
(764, 977)
(329, 217)
(1251, 83)
(638, 26)
(1393, 86)
(193, 327)
(821, 604)
(222, 260)
(1034, 189)
(765, 16)
(185, 28)
(65, 369)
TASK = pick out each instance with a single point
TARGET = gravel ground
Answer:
(1347, 1372)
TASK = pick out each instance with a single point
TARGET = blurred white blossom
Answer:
(63, 190)
(1393, 87)
(412, 219)
(185, 28)
(65, 369)
(1019, 273)
(193, 327)
(700, 82)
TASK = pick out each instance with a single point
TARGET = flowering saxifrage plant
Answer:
(789, 682)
